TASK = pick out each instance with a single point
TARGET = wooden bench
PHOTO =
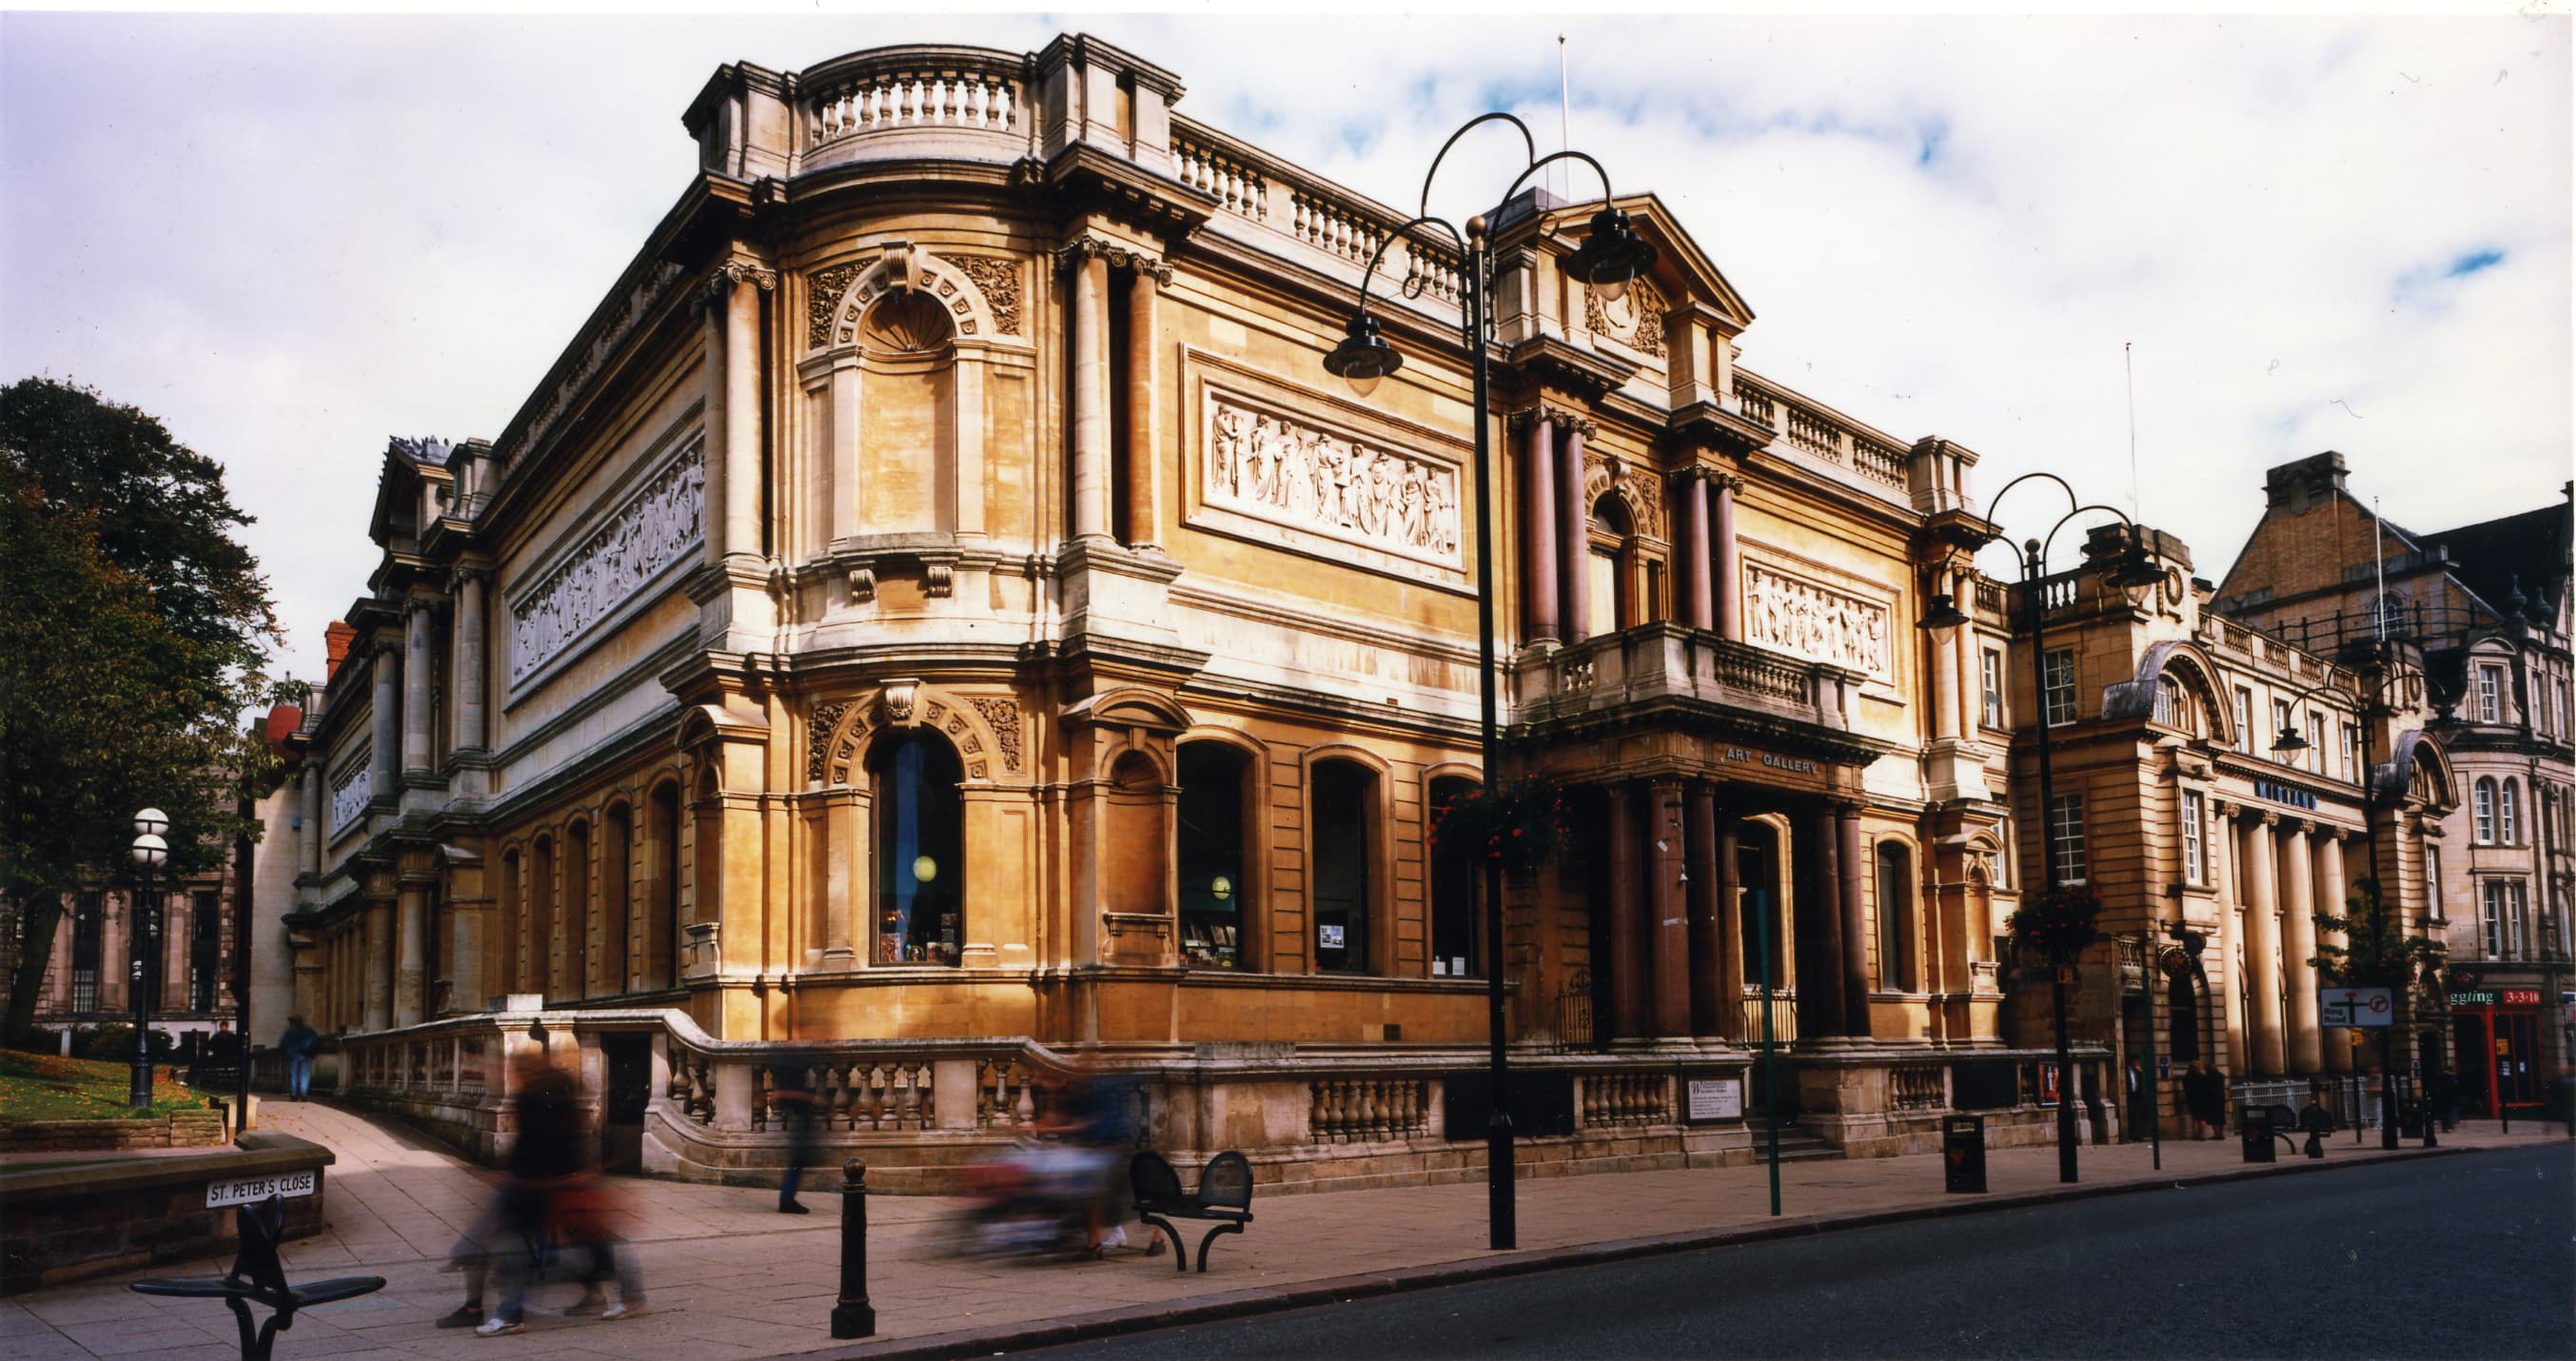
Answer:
(258, 1277)
(1224, 1195)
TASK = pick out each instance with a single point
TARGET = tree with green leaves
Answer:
(2376, 951)
(139, 626)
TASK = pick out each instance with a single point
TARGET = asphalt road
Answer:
(2467, 1256)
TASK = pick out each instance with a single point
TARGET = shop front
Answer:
(2495, 1034)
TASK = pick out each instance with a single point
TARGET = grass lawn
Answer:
(44, 1087)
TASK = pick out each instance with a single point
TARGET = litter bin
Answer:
(1963, 1153)
(2258, 1136)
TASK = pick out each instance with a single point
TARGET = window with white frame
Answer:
(2280, 724)
(2168, 700)
(2491, 912)
(2195, 863)
(2057, 701)
(1991, 676)
(2244, 719)
(2352, 770)
(2508, 814)
(2317, 743)
(2490, 694)
(2502, 921)
(2482, 811)
(2066, 837)
(2433, 882)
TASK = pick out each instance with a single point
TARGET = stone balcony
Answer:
(1667, 668)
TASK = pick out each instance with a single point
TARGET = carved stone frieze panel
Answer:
(350, 793)
(1003, 717)
(1289, 470)
(1809, 619)
(657, 527)
(998, 281)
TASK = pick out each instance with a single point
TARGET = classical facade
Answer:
(938, 617)
(2486, 607)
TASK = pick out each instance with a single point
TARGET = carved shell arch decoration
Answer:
(1639, 489)
(839, 296)
(985, 730)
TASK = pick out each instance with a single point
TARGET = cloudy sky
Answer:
(292, 236)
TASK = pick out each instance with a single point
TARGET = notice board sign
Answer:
(1706, 1099)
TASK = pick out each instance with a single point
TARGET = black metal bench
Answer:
(258, 1277)
(1224, 1195)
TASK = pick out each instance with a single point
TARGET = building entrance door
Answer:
(629, 1057)
(2516, 1057)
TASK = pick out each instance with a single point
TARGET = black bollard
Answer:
(2316, 1145)
(853, 1316)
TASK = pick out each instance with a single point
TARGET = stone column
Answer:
(743, 474)
(2298, 946)
(376, 965)
(1089, 324)
(1627, 909)
(309, 860)
(2331, 890)
(2232, 1021)
(2265, 1041)
(1820, 999)
(415, 688)
(1144, 505)
(466, 678)
(1689, 498)
(411, 951)
(383, 730)
(1734, 967)
(1539, 570)
(1945, 680)
(1574, 534)
(1668, 927)
(1851, 874)
(1707, 946)
(1729, 592)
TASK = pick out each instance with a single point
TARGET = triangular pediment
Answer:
(1682, 272)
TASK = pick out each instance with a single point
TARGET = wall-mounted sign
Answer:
(2519, 997)
(1328, 937)
(2290, 794)
(2356, 1006)
(2473, 997)
(1713, 1098)
(1795, 764)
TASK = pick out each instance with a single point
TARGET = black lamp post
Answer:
(150, 853)
(1611, 255)
(2136, 567)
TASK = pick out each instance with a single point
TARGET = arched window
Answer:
(616, 899)
(1605, 574)
(921, 872)
(1218, 925)
(536, 965)
(576, 910)
(1343, 794)
(2509, 814)
(662, 908)
(2182, 1012)
(2483, 807)
(2392, 614)
(511, 908)
(1895, 918)
(1454, 917)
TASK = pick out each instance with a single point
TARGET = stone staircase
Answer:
(1796, 1145)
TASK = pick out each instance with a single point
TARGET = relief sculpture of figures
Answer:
(657, 526)
(1279, 469)
(1816, 622)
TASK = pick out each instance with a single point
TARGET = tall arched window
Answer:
(576, 910)
(1605, 576)
(616, 899)
(512, 906)
(2483, 809)
(1454, 917)
(536, 966)
(1217, 922)
(2509, 813)
(1344, 794)
(662, 908)
(921, 870)
(1895, 917)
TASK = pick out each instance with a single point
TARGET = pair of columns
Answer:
(1089, 260)
(2288, 870)
(1556, 536)
(1676, 931)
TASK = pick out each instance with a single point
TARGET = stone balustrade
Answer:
(1662, 662)
(959, 89)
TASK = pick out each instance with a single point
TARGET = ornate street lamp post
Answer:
(1611, 255)
(150, 853)
(2136, 568)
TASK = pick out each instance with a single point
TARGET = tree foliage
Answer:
(2376, 951)
(137, 627)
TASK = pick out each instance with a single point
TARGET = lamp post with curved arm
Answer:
(2136, 567)
(1611, 255)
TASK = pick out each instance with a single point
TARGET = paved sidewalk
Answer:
(729, 1277)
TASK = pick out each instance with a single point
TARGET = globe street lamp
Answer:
(150, 853)
(1611, 255)
(2135, 569)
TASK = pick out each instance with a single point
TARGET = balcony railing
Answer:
(1653, 662)
(954, 89)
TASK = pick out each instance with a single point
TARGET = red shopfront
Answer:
(2495, 1031)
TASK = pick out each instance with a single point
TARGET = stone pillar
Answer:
(1627, 909)
(1668, 927)
(1729, 592)
(1707, 946)
(1539, 570)
(1820, 1000)
(1690, 548)
(2223, 982)
(376, 965)
(1851, 873)
(466, 678)
(1144, 505)
(415, 688)
(1945, 679)
(2298, 946)
(309, 848)
(1089, 324)
(1574, 534)
(743, 473)
(1734, 969)
(411, 952)
(2331, 892)
(2265, 1041)
(384, 733)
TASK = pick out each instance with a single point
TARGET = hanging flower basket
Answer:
(1517, 824)
(2057, 923)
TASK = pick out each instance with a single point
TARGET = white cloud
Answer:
(293, 236)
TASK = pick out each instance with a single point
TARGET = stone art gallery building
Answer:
(938, 620)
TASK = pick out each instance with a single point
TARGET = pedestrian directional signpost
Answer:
(2357, 1006)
